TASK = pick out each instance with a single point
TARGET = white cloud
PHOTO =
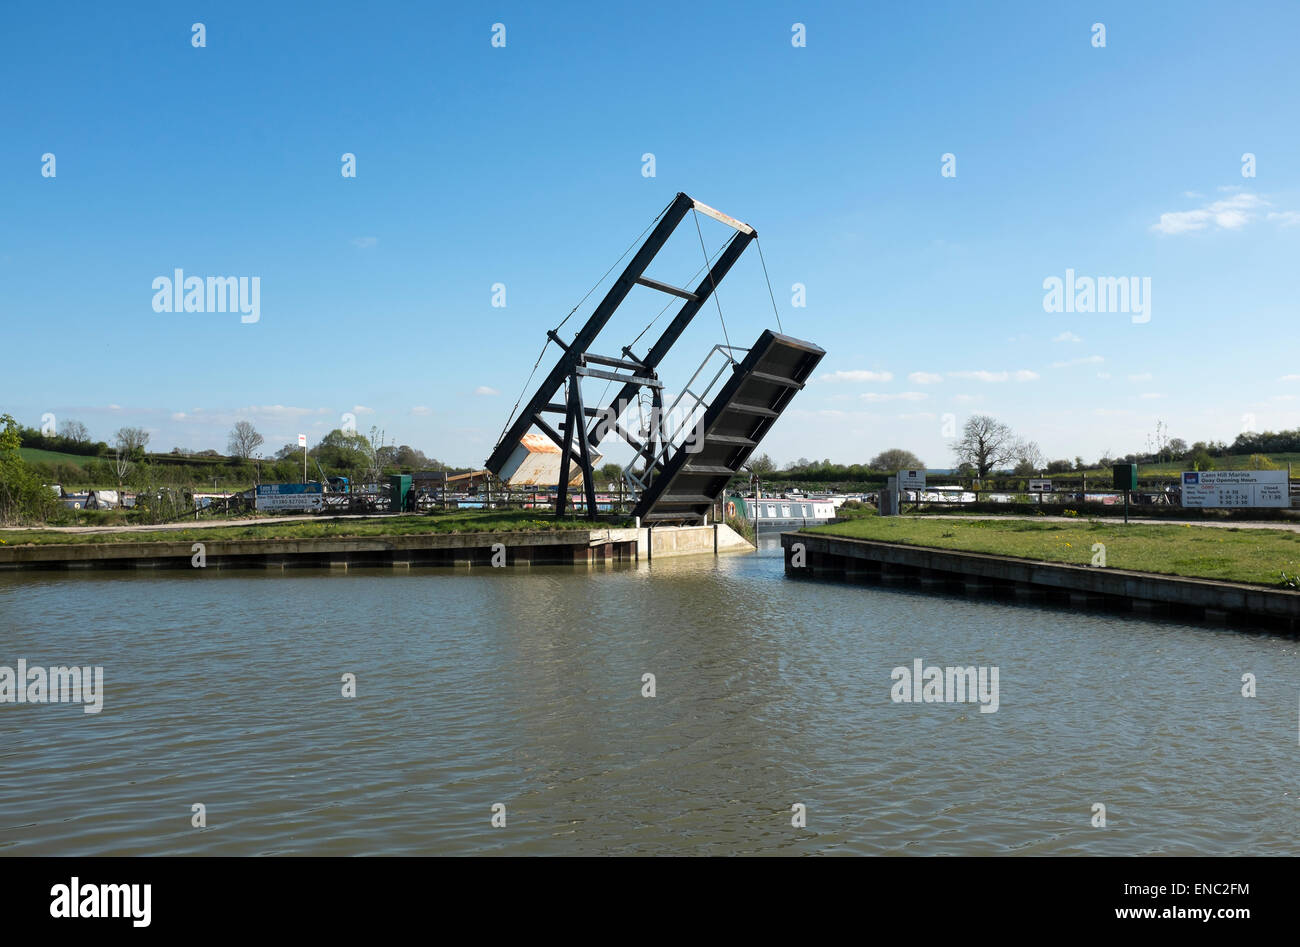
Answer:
(178, 415)
(1067, 337)
(1111, 412)
(1103, 375)
(1023, 374)
(858, 375)
(1232, 213)
(280, 412)
(1086, 360)
(899, 396)
(365, 243)
(362, 409)
(1150, 395)
(924, 378)
(1286, 218)
(964, 398)
(1289, 378)
(421, 411)
(1142, 376)
(485, 390)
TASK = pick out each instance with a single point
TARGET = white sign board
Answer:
(1235, 488)
(302, 440)
(911, 480)
(1040, 486)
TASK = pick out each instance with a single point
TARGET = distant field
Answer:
(1257, 556)
(1174, 468)
(34, 455)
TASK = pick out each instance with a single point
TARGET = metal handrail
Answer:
(668, 441)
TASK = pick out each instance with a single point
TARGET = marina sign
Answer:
(1235, 488)
(1040, 486)
(290, 496)
(911, 479)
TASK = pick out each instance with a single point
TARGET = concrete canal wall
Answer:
(559, 547)
(860, 560)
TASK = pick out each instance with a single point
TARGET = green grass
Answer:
(34, 455)
(1176, 467)
(1255, 556)
(464, 521)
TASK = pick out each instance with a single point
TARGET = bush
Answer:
(744, 527)
(24, 498)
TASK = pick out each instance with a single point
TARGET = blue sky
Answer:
(522, 165)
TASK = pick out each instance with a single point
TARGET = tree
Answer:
(896, 459)
(121, 465)
(287, 451)
(762, 464)
(244, 439)
(986, 443)
(23, 498)
(75, 431)
(1177, 448)
(132, 441)
(407, 456)
(374, 451)
(1058, 466)
(1028, 458)
(610, 473)
(342, 450)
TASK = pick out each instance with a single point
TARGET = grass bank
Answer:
(463, 521)
(1255, 556)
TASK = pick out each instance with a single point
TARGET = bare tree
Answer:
(986, 443)
(244, 439)
(1028, 458)
(75, 431)
(132, 441)
(373, 448)
(121, 465)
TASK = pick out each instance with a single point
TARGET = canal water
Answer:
(525, 689)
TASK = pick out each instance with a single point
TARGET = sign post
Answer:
(1040, 487)
(1126, 479)
(910, 480)
(302, 442)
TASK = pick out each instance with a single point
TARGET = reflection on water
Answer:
(524, 688)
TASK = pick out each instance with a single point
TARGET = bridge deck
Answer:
(735, 422)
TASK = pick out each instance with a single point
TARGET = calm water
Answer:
(525, 689)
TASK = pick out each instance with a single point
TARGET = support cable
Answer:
(759, 244)
(713, 284)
